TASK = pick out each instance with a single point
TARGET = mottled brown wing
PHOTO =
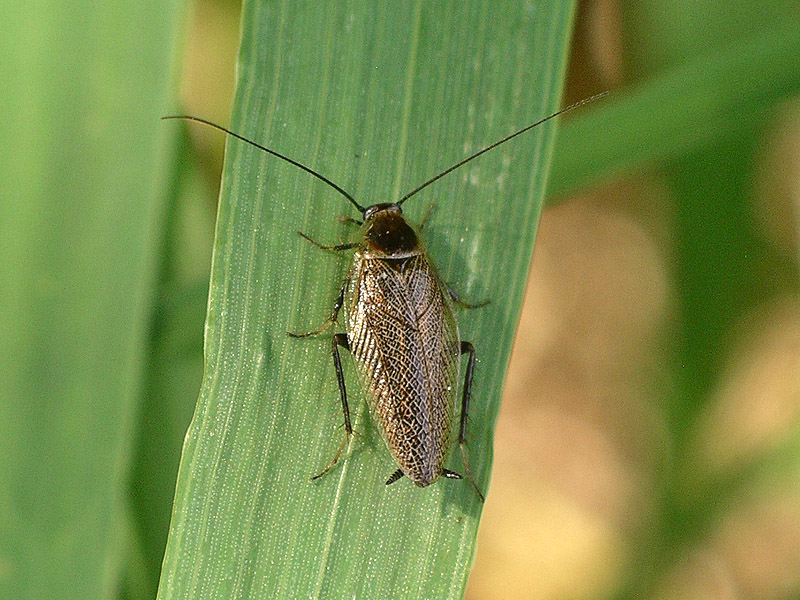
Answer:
(404, 339)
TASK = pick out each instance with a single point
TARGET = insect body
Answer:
(404, 338)
(402, 332)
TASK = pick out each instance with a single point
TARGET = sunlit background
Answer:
(648, 442)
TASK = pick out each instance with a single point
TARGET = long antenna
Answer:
(277, 154)
(502, 141)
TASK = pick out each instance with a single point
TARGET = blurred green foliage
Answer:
(725, 267)
(84, 165)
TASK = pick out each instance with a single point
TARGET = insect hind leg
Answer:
(340, 339)
(467, 348)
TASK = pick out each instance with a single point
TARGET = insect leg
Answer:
(457, 299)
(467, 348)
(340, 339)
(334, 248)
(337, 306)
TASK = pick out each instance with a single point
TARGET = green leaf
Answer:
(80, 158)
(378, 97)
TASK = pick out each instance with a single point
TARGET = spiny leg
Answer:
(340, 339)
(467, 348)
(339, 300)
(333, 248)
(337, 306)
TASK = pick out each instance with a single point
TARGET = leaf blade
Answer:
(392, 85)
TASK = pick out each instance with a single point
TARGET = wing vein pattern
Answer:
(405, 342)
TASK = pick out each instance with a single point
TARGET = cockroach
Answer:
(401, 330)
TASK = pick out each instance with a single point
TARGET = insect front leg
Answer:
(467, 348)
(340, 339)
(333, 248)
